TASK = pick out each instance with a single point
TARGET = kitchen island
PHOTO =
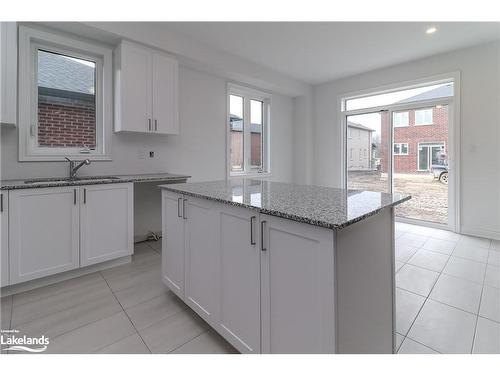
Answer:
(284, 268)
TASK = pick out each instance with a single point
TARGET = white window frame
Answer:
(424, 110)
(398, 125)
(32, 39)
(400, 148)
(250, 94)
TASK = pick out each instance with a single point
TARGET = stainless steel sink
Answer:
(83, 180)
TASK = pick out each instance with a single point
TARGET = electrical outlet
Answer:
(151, 154)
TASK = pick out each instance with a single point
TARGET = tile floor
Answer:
(447, 301)
(126, 309)
(447, 292)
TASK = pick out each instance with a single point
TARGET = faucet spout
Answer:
(73, 169)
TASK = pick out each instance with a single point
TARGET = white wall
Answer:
(199, 150)
(480, 127)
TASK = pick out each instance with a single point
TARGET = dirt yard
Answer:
(429, 196)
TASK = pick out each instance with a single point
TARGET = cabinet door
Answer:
(135, 89)
(165, 112)
(202, 250)
(239, 278)
(172, 255)
(8, 73)
(106, 222)
(297, 287)
(4, 242)
(43, 232)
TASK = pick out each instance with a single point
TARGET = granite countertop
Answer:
(320, 206)
(89, 180)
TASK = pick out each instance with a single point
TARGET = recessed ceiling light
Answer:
(431, 30)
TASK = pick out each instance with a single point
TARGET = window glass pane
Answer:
(404, 148)
(423, 116)
(442, 90)
(66, 101)
(256, 138)
(400, 119)
(236, 132)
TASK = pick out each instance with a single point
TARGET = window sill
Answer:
(250, 175)
(76, 157)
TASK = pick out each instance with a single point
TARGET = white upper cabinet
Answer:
(8, 73)
(146, 90)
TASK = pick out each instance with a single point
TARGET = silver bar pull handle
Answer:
(74, 196)
(84, 196)
(156, 125)
(184, 211)
(252, 239)
(179, 201)
(149, 124)
(262, 229)
(1, 202)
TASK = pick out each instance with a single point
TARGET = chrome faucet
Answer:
(73, 169)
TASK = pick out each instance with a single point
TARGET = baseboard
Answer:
(489, 234)
(48, 280)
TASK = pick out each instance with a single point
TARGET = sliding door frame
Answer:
(454, 141)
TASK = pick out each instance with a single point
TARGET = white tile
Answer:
(445, 235)
(209, 342)
(404, 252)
(494, 258)
(63, 300)
(149, 312)
(141, 292)
(60, 322)
(421, 230)
(457, 292)
(487, 340)
(64, 286)
(416, 279)
(407, 307)
(155, 245)
(172, 332)
(412, 240)
(495, 245)
(475, 241)
(444, 328)
(429, 260)
(478, 254)
(399, 340)
(91, 337)
(404, 227)
(6, 309)
(439, 246)
(492, 276)
(490, 303)
(398, 265)
(465, 269)
(398, 234)
(412, 347)
(132, 344)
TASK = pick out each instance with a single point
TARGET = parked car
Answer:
(441, 173)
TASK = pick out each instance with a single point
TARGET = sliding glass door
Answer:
(402, 147)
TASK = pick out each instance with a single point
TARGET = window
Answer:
(248, 131)
(423, 116)
(65, 97)
(400, 119)
(400, 148)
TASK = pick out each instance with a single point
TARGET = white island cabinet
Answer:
(282, 268)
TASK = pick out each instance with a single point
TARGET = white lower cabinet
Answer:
(201, 233)
(4, 242)
(239, 278)
(43, 232)
(172, 261)
(297, 300)
(106, 222)
(57, 229)
(252, 288)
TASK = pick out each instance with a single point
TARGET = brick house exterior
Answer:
(66, 102)
(66, 121)
(414, 135)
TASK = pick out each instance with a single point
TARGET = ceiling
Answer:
(316, 52)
